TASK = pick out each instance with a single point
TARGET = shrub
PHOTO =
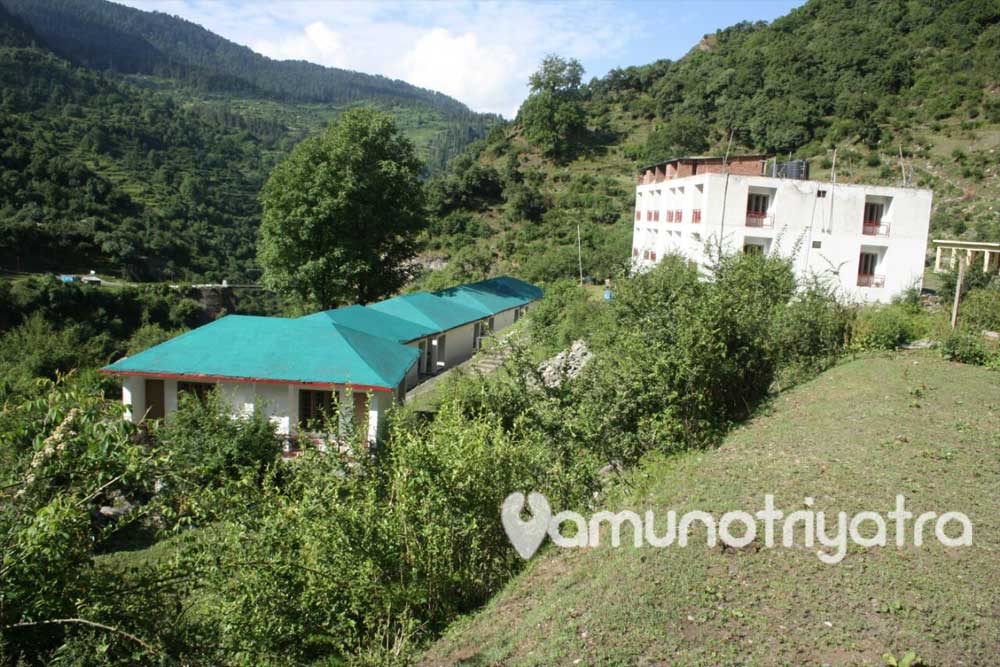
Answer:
(210, 447)
(981, 309)
(969, 347)
(883, 327)
(812, 330)
(566, 313)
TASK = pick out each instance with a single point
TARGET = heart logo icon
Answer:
(526, 536)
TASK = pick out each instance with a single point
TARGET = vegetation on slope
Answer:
(150, 178)
(110, 37)
(851, 439)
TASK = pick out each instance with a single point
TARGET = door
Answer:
(155, 405)
(441, 357)
(422, 362)
(361, 413)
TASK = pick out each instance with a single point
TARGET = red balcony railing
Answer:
(656, 216)
(678, 216)
(638, 216)
(649, 216)
(870, 280)
(758, 219)
(696, 216)
(670, 216)
(875, 228)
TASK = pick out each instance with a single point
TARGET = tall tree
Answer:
(553, 115)
(341, 213)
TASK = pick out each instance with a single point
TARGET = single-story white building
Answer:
(354, 362)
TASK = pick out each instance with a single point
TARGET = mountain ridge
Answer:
(107, 36)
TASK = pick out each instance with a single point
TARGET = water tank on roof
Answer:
(798, 169)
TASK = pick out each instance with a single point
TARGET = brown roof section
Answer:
(681, 167)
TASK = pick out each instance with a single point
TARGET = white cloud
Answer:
(479, 52)
(463, 67)
(317, 43)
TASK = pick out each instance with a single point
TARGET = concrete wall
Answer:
(458, 345)
(825, 234)
(278, 402)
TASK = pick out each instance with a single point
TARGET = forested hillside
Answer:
(152, 178)
(106, 36)
(873, 80)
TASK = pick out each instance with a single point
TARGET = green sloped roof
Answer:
(492, 296)
(279, 349)
(374, 323)
(428, 310)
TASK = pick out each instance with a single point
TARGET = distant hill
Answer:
(152, 171)
(872, 79)
(15, 32)
(105, 35)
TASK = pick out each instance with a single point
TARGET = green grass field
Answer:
(852, 438)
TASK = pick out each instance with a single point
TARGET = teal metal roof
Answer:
(276, 349)
(492, 296)
(428, 310)
(374, 323)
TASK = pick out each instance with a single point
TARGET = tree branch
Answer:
(81, 621)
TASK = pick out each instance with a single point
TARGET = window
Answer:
(757, 204)
(867, 264)
(753, 249)
(821, 194)
(817, 244)
(314, 407)
(873, 212)
(199, 389)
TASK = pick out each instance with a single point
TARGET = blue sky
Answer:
(479, 52)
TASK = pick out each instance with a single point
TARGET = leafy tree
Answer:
(682, 134)
(553, 115)
(341, 213)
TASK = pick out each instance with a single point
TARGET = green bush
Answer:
(970, 347)
(981, 309)
(566, 313)
(884, 327)
(812, 330)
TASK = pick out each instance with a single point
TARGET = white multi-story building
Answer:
(870, 240)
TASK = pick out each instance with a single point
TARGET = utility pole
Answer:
(579, 251)
(958, 292)
(902, 168)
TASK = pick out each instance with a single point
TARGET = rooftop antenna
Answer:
(579, 251)
(725, 160)
(833, 185)
(725, 190)
(902, 168)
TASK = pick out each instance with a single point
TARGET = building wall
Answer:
(278, 402)
(825, 234)
(458, 345)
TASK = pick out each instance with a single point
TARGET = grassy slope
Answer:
(852, 438)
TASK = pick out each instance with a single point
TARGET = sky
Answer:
(481, 53)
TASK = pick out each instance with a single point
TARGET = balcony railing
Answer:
(638, 216)
(696, 216)
(656, 216)
(870, 280)
(875, 228)
(678, 216)
(649, 216)
(758, 219)
(670, 216)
